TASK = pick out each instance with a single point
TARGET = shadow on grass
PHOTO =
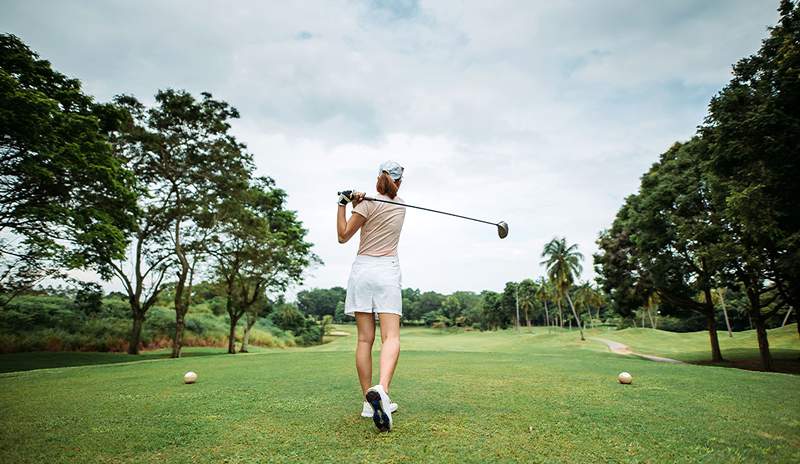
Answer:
(785, 361)
(13, 362)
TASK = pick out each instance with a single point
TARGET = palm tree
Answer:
(589, 297)
(563, 265)
(584, 299)
(526, 293)
(543, 294)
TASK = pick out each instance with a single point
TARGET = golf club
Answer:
(502, 227)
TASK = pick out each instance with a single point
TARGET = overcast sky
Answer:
(543, 114)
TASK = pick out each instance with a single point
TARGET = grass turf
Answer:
(741, 350)
(466, 397)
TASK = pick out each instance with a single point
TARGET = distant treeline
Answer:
(489, 310)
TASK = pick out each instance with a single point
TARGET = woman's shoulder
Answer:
(386, 197)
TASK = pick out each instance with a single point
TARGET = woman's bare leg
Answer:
(390, 347)
(365, 323)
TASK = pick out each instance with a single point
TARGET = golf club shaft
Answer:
(428, 209)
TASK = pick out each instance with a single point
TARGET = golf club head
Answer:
(502, 229)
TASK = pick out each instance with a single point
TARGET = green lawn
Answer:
(695, 346)
(11, 362)
(464, 397)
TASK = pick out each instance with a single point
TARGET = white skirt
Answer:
(374, 286)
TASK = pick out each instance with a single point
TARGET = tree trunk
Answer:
(757, 319)
(725, 312)
(181, 303)
(232, 336)
(251, 321)
(560, 314)
(136, 333)
(546, 314)
(577, 319)
(711, 323)
(650, 316)
(786, 319)
(716, 353)
(177, 341)
(763, 342)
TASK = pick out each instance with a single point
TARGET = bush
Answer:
(55, 323)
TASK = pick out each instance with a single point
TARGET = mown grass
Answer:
(695, 346)
(464, 397)
(11, 362)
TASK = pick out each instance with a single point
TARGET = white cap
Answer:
(392, 168)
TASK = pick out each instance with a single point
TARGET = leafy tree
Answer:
(493, 314)
(675, 237)
(753, 132)
(262, 307)
(509, 304)
(620, 271)
(544, 294)
(65, 200)
(588, 297)
(260, 247)
(527, 297)
(339, 315)
(89, 298)
(187, 163)
(320, 301)
(288, 317)
(452, 308)
(563, 264)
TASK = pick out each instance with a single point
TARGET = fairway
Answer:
(464, 397)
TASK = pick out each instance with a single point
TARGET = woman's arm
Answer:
(346, 229)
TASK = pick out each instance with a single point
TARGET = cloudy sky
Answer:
(543, 114)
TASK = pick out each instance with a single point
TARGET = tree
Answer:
(260, 247)
(338, 315)
(673, 237)
(753, 136)
(621, 273)
(262, 307)
(719, 297)
(543, 294)
(526, 294)
(452, 309)
(563, 263)
(187, 163)
(492, 309)
(200, 164)
(587, 297)
(509, 304)
(149, 255)
(89, 298)
(318, 302)
(65, 200)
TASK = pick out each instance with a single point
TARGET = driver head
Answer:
(502, 229)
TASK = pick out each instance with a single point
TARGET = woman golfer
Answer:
(374, 288)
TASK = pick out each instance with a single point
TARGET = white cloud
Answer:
(543, 114)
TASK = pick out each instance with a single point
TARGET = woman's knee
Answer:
(368, 338)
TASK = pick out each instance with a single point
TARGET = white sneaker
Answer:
(366, 411)
(381, 408)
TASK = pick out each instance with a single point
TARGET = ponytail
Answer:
(386, 185)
